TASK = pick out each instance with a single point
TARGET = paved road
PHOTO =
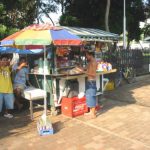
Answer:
(120, 125)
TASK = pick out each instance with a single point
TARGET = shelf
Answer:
(67, 67)
(98, 93)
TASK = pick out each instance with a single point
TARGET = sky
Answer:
(54, 16)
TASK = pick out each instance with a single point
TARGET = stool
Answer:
(33, 94)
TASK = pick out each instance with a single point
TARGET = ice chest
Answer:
(32, 93)
(73, 107)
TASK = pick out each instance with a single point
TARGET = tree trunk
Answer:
(47, 15)
(107, 15)
(62, 6)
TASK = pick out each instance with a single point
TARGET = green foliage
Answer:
(2, 30)
(87, 12)
(17, 14)
(5, 31)
(91, 13)
(67, 20)
(146, 30)
(45, 7)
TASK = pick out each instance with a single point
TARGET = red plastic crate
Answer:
(73, 107)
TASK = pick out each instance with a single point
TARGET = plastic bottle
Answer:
(109, 67)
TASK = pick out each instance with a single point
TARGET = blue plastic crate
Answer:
(44, 128)
(46, 132)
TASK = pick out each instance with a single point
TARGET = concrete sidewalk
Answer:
(120, 125)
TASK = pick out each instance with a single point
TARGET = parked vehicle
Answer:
(127, 74)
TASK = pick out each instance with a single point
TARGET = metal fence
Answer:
(138, 59)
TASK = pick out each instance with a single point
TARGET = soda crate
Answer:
(44, 128)
(73, 107)
(45, 131)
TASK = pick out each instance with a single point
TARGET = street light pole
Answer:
(124, 25)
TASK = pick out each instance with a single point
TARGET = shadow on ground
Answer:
(132, 93)
(15, 125)
(124, 95)
(21, 125)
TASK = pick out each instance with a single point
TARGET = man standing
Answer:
(6, 89)
(20, 80)
(91, 84)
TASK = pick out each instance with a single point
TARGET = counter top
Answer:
(74, 76)
(68, 77)
(106, 72)
(55, 75)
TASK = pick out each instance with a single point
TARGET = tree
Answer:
(18, 13)
(107, 15)
(91, 13)
(135, 14)
(15, 15)
(68, 20)
(62, 3)
(44, 8)
(146, 29)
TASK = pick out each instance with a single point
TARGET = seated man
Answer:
(20, 80)
(6, 88)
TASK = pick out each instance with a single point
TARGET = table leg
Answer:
(31, 109)
(102, 83)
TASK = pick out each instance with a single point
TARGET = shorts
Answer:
(19, 86)
(8, 99)
(91, 93)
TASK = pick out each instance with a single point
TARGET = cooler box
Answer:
(73, 107)
(32, 93)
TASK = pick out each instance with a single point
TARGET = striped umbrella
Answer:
(44, 34)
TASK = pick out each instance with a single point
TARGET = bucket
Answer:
(110, 86)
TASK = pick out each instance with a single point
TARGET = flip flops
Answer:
(89, 116)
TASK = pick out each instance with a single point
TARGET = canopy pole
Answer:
(45, 100)
(124, 24)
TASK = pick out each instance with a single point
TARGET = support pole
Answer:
(45, 100)
(124, 25)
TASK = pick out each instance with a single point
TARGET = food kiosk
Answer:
(60, 66)
(62, 76)
(56, 71)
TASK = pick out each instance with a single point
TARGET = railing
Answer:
(138, 59)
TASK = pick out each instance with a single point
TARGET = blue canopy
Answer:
(14, 50)
(63, 37)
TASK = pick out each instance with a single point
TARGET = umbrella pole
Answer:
(44, 124)
(45, 100)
